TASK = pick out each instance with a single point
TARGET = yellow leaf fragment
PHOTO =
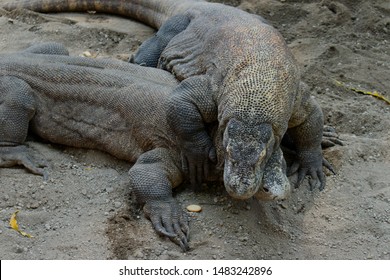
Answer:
(366, 92)
(13, 222)
(25, 234)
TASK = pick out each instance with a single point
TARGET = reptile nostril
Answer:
(266, 189)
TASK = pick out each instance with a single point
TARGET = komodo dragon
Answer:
(234, 68)
(108, 105)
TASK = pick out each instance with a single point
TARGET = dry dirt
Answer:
(86, 210)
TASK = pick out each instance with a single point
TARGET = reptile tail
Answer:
(150, 12)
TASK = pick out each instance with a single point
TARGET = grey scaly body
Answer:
(108, 105)
(235, 69)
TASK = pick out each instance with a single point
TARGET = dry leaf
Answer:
(14, 225)
(366, 92)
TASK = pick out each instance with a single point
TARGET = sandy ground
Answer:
(87, 211)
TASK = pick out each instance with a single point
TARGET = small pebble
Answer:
(139, 255)
(18, 249)
(35, 205)
(194, 208)
(243, 239)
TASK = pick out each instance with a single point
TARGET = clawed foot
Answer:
(311, 162)
(312, 168)
(20, 155)
(169, 220)
(330, 138)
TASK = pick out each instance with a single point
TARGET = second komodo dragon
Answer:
(235, 69)
(108, 105)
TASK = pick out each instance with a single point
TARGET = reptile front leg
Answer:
(152, 177)
(190, 108)
(306, 132)
(21, 155)
(17, 107)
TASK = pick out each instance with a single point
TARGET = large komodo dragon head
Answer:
(245, 158)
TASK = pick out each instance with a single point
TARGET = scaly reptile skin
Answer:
(108, 105)
(234, 68)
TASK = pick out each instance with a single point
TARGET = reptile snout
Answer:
(275, 185)
(276, 192)
(241, 186)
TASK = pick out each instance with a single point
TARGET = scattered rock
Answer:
(18, 249)
(194, 208)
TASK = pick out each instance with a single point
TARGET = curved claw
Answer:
(317, 180)
(20, 155)
(317, 177)
(330, 138)
(169, 220)
(328, 166)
